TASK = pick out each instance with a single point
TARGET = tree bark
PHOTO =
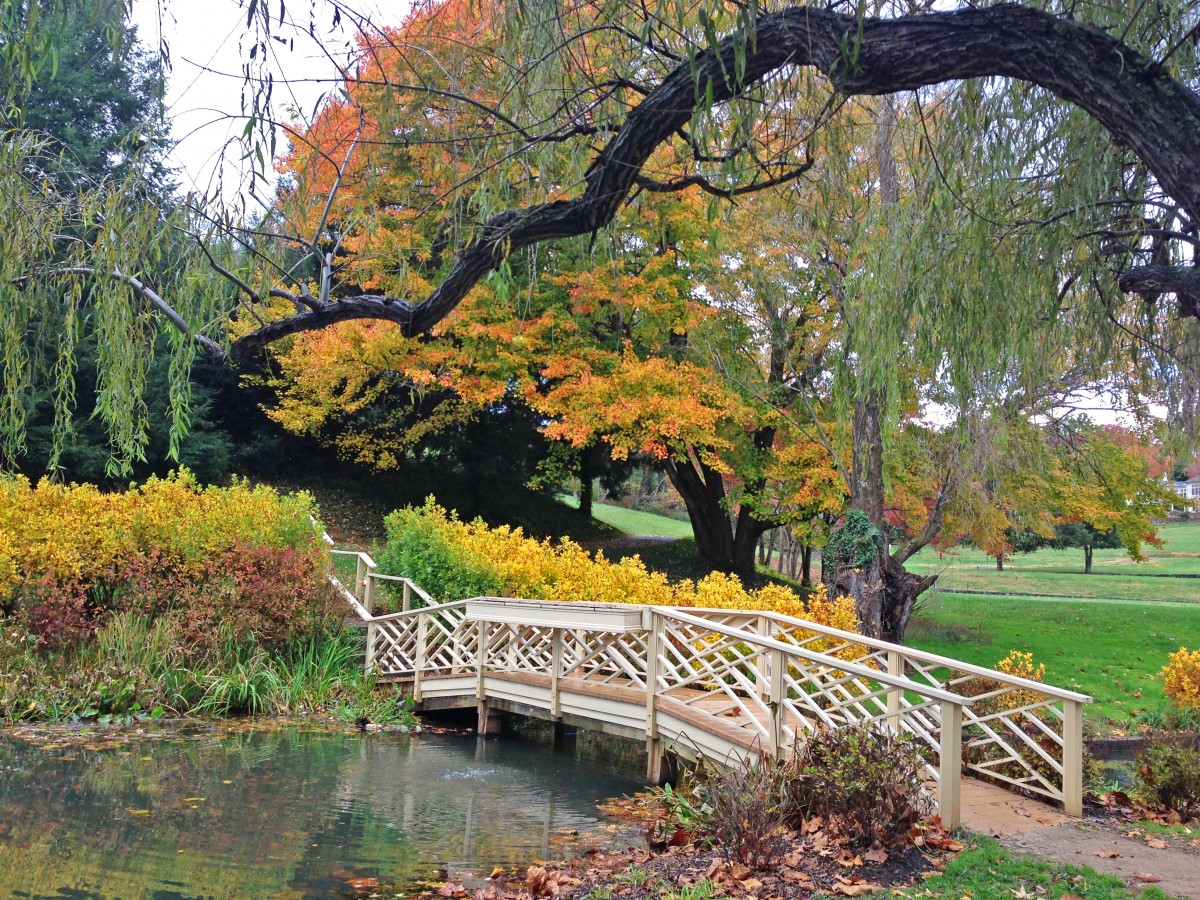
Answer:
(1137, 100)
(806, 565)
(1087, 560)
(999, 562)
(884, 594)
(724, 541)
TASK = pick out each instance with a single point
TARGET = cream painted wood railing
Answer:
(762, 680)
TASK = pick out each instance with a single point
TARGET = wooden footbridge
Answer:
(725, 685)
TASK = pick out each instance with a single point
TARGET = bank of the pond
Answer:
(255, 809)
(137, 669)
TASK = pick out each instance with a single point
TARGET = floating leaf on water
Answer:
(138, 812)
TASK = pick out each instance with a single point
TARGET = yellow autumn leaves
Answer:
(79, 533)
(528, 568)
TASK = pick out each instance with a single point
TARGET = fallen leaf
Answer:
(138, 812)
(1042, 820)
(1070, 897)
(739, 871)
(193, 799)
(855, 887)
(679, 839)
(803, 879)
(1146, 878)
(497, 871)
(1157, 843)
(751, 884)
(1022, 894)
(1022, 811)
(878, 856)
(1104, 853)
(363, 884)
(535, 879)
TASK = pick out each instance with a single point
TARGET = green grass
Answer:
(1114, 576)
(986, 871)
(1112, 650)
(634, 522)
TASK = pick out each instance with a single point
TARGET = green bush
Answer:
(1169, 777)
(418, 550)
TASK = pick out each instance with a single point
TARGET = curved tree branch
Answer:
(1132, 96)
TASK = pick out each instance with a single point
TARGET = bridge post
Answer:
(406, 603)
(372, 628)
(419, 657)
(1072, 762)
(778, 710)
(950, 766)
(895, 666)
(654, 754)
(556, 657)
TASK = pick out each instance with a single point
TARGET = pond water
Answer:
(284, 813)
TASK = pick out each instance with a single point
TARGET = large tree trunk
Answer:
(726, 542)
(1087, 560)
(806, 565)
(999, 562)
(884, 594)
(884, 591)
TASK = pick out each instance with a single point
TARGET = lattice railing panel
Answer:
(604, 657)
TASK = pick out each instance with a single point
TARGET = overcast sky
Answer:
(207, 40)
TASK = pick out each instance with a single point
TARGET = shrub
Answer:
(72, 555)
(452, 559)
(747, 810)
(1181, 678)
(865, 782)
(1169, 777)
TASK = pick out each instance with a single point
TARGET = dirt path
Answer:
(1105, 845)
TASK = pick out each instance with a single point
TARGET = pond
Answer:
(285, 812)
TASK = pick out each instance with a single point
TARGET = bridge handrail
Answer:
(850, 668)
(923, 656)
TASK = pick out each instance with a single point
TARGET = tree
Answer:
(667, 82)
(1086, 537)
(102, 105)
(1106, 496)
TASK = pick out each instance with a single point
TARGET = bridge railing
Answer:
(768, 678)
(1023, 733)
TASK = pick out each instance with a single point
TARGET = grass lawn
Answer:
(1112, 650)
(1114, 575)
(986, 871)
(634, 522)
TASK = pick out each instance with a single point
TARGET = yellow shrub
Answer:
(1020, 665)
(1181, 678)
(533, 569)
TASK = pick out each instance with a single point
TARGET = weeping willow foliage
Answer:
(64, 264)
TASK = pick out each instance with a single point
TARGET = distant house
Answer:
(1189, 490)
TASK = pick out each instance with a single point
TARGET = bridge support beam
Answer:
(489, 720)
(660, 766)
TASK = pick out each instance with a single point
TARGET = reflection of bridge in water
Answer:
(727, 685)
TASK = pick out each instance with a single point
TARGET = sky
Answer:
(208, 44)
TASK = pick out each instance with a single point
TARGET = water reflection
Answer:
(283, 814)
